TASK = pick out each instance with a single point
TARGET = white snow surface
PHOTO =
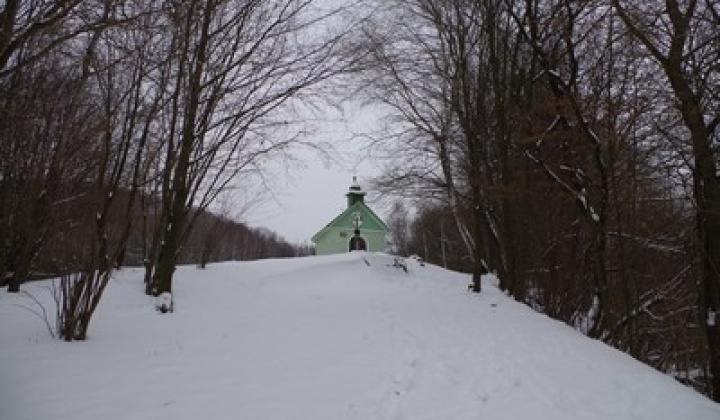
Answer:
(322, 338)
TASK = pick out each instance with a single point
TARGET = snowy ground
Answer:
(322, 338)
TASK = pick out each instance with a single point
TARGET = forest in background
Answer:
(570, 146)
(215, 237)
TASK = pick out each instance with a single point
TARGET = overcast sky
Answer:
(308, 198)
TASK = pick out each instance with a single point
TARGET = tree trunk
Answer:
(176, 207)
(479, 267)
(14, 284)
(707, 195)
(22, 264)
(175, 224)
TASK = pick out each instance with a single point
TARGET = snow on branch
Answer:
(581, 195)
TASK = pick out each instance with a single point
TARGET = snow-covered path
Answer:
(323, 338)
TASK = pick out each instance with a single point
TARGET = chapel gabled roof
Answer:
(347, 211)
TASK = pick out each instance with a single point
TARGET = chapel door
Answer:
(357, 244)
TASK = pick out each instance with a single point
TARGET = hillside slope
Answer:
(322, 338)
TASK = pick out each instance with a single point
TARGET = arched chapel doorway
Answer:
(357, 243)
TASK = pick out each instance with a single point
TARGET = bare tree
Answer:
(45, 126)
(47, 25)
(236, 65)
(452, 92)
(117, 68)
(411, 74)
(399, 225)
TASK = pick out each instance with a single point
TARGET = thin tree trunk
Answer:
(178, 206)
(446, 166)
(707, 195)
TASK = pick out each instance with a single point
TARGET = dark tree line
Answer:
(571, 148)
(214, 238)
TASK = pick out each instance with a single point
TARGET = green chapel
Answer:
(357, 228)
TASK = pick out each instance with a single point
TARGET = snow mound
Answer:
(322, 338)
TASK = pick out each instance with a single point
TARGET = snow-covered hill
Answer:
(322, 338)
